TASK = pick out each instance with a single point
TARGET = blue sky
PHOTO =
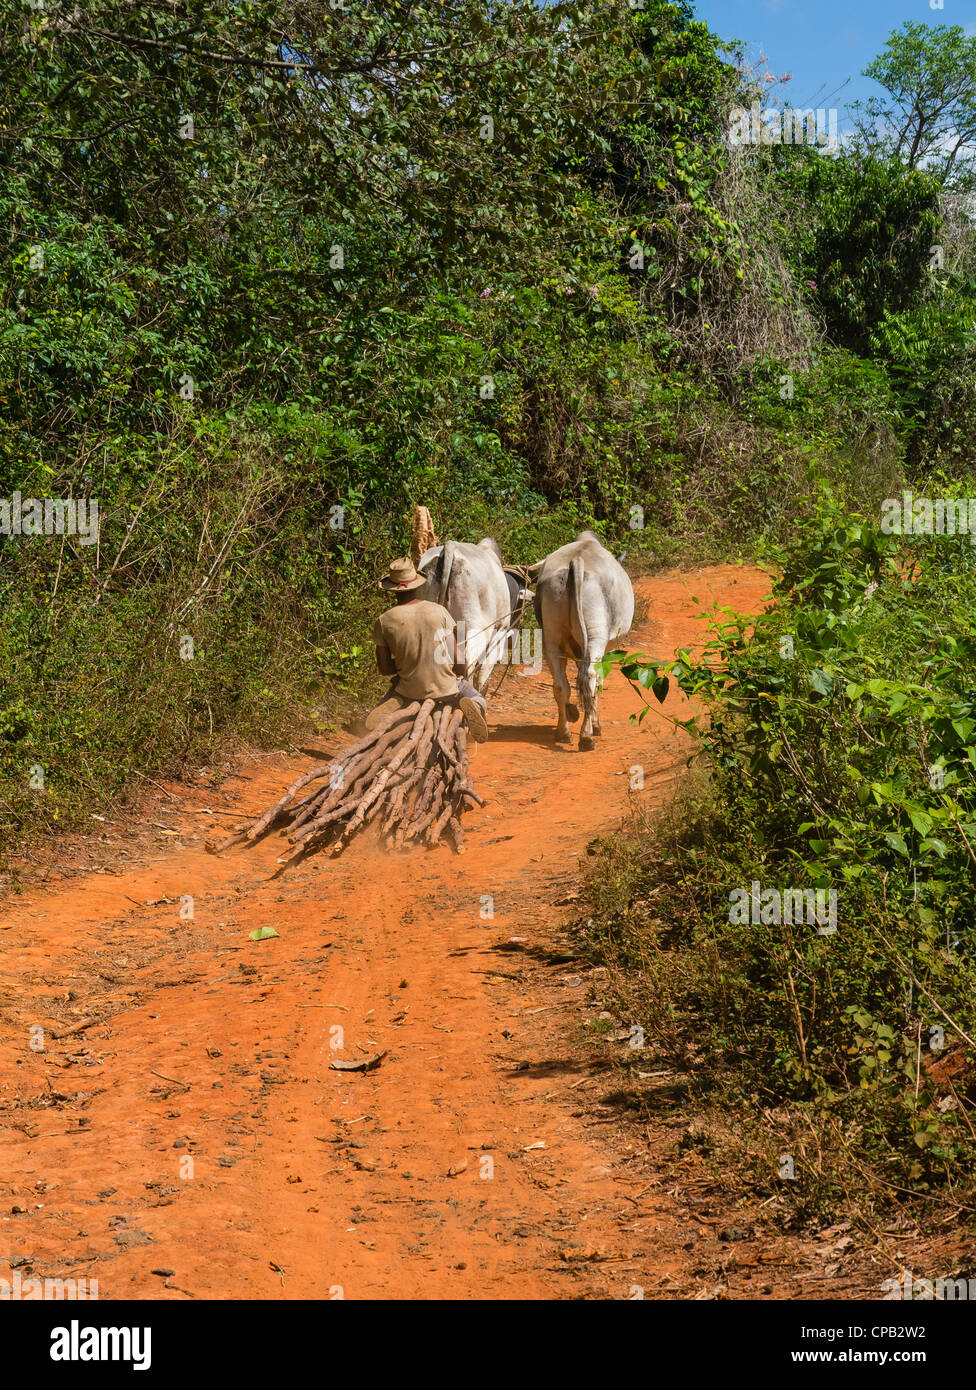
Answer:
(823, 42)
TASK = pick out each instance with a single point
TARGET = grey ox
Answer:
(584, 600)
(485, 601)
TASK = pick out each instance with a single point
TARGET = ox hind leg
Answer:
(588, 685)
(560, 689)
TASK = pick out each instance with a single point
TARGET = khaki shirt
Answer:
(418, 637)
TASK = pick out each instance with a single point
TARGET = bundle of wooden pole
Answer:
(409, 775)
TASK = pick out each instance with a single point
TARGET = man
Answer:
(416, 644)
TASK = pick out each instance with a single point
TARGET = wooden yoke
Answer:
(422, 535)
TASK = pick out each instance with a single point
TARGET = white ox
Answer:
(468, 580)
(583, 601)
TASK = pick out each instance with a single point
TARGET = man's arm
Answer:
(384, 660)
(458, 664)
(446, 648)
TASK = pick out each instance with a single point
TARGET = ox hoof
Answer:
(585, 743)
(572, 713)
(597, 730)
(563, 736)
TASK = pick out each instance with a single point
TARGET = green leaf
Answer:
(921, 820)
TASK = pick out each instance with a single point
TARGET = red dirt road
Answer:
(182, 1133)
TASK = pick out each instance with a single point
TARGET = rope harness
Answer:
(521, 573)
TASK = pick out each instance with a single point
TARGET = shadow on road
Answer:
(541, 735)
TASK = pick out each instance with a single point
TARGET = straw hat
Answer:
(402, 576)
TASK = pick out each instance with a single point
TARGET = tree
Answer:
(928, 119)
(864, 242)
(240, 195)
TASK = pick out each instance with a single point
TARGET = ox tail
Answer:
(575, 595)
(447, 564)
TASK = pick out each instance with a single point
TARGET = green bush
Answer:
(839, 732)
